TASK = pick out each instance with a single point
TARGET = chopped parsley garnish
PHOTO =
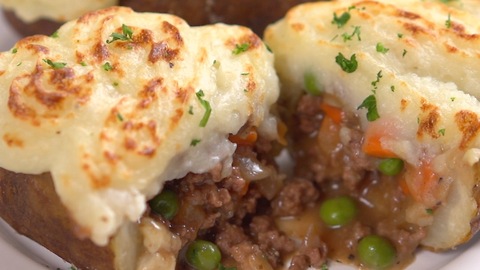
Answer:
(452, 99)
(206, 105)
(348, 66)
(374, 83)
(240, 48)
(429, 211)
(107, 66)
(268, 48)
(342, 20)
(19, 63)
(190, 110)
(126, 35)
(448, 22)
(370, 103)
(54, 65)
(404, 52)
(381, 48)
(356, 32)
(54, 35)
(244, 73)
(14, 50)
(194, 142)
(441, 132)
(399, 35)
(120, 117)
(392, 88)
(311, 85)
(83, 64)
(324, 267)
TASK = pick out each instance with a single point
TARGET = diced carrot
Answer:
(333, 112)
(372, 145)
(404, 186)
(282, 132)
(247, 138)
(422, 183)
(244, 189)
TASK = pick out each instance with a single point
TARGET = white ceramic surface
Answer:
(19, 253)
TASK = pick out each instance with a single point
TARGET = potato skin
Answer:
(42, 26)
(30, 205)
(251, 13)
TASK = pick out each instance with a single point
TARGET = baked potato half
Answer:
(397, 80)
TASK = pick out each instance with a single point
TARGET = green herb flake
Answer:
(374, 83)
(348, 66)
(54, 34)
(54, 65)
(194, 142)
(244, 73)
(448, 22)
(404, 53)
(216, 64)
(324, 267)
(208, 109)
(342, 20)
(190, 110)
(120, 117)
(370, 103)
(356, 32)
(14, 50)
(268, 48)
(311, 85)
(429, 211)
(392, 88)
(240, 48)
(452, 99)
(441, 132)
(19, 64)
(399, 35)
(107, 66)
(126, 35)
(381, 48)
(83, 64)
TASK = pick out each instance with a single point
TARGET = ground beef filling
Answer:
(329, 155)
(273, 221)
(237, 213)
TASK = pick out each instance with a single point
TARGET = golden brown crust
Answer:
(31, 206)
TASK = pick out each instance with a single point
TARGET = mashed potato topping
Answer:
(56, 10)
(116, 103)
(410, 70)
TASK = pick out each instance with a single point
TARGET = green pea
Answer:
(376, 252)
(311, 84)
(165, 204)
(391, 166)
(203, 255)
(338, 211)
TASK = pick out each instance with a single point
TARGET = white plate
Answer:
(19, 253)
